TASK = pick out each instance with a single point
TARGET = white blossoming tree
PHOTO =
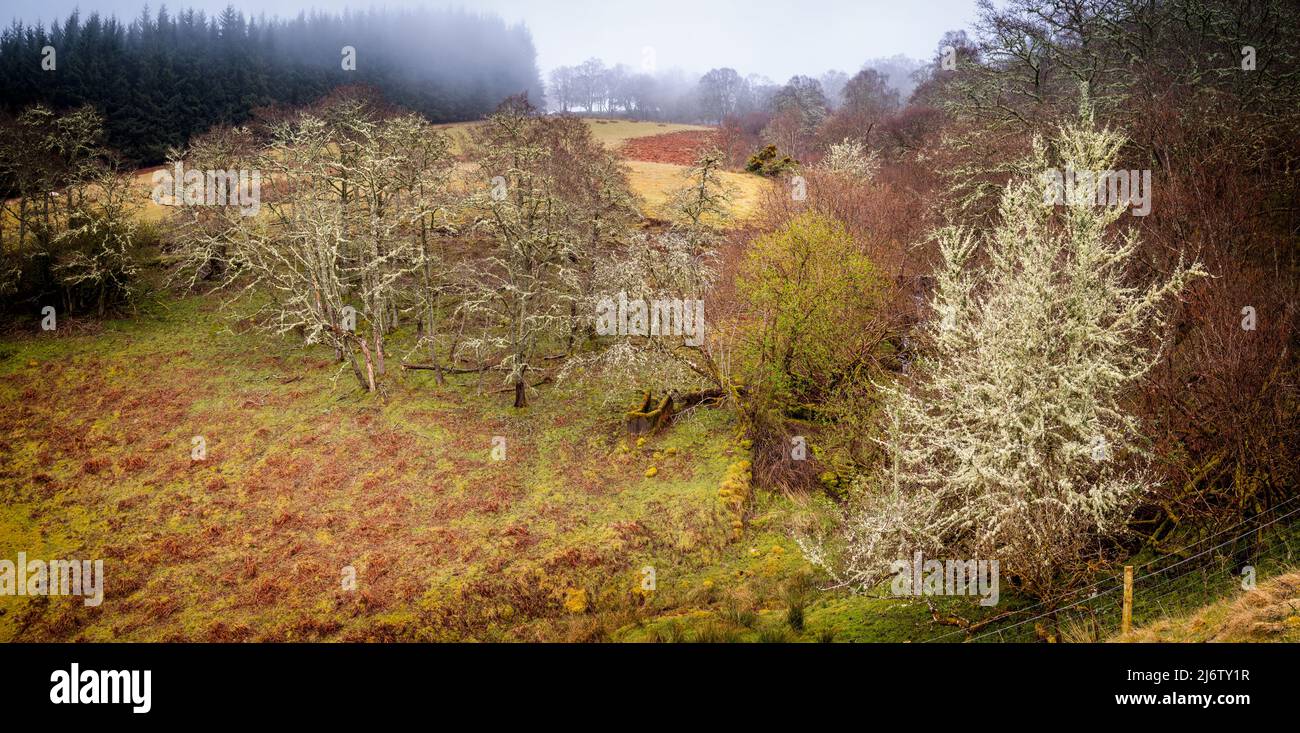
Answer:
(851, 158)
(1012, 442)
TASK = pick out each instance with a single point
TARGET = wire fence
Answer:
(1179, 582)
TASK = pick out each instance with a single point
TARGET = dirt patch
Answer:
(678, 148)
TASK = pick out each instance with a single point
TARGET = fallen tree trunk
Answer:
(966, 625)
(513, 388)
(651, 417)
(448, 370)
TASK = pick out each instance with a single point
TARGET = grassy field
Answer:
(305, 477)
(611, 133)
(654, 182)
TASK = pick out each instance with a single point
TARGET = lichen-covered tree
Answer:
(430, 170)
(677, 267)
(95, 252)
(852, 160)
(207, 230)
(342, 240)
(1013, 442)
(520, 292)
(395, 168)
(704, 202)
(602, 208)
(69, 236)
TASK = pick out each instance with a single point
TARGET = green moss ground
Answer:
(305, 476)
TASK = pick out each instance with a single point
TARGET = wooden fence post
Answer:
(1127, 624)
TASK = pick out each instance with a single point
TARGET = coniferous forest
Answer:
(161, 78)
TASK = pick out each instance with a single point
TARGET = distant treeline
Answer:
(162, 78)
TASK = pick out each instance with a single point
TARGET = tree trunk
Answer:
(370, 366)
(356, 368)
(22, 223)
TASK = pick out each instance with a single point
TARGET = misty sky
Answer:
(776, 38)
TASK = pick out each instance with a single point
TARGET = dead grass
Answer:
(609, 132)
(656, 182)
(306, 478)
(1269, 613)
(679, 148)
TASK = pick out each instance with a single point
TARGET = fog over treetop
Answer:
(774, 39)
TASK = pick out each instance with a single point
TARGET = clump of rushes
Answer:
(798, 591)
(774, 634)
(738, 612)
(712, 632)
(668, 633)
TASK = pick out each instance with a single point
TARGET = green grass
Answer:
(305, 475)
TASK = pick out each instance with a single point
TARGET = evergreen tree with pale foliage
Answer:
(1012, 442)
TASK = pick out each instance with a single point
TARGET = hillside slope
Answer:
(1269, 613)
